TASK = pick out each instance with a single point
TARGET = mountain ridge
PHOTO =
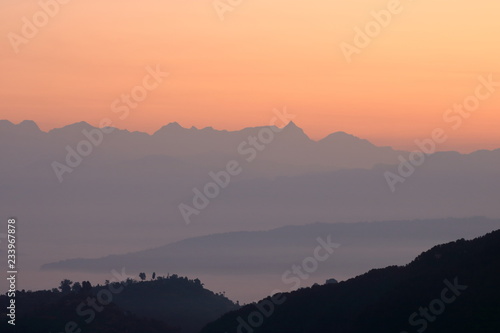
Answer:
(389, 299)
(172, 126)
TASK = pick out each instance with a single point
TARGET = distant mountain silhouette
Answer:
(175, 140)
(239, 254)
(452, 288)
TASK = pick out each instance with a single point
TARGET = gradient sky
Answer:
(266, 54)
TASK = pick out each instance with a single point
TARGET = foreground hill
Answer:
(452, 288)
(57, 315)
(173, 304)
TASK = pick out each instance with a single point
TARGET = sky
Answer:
(230, 67)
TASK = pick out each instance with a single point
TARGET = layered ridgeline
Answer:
(126, 177)
(289, 148)
(452, 288)
(129, 186)
(260, 258)
(163, 305)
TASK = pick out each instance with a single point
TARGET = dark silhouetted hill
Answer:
(172, 304)
(384, 300)
(176, 300)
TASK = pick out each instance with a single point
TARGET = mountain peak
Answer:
(292, 129)
(341, 137)
(72, 128)
(173, 125)
(341, 134)
(4, 123)
(26, 126)
(291, 124)
(170, 127)
(29, 125)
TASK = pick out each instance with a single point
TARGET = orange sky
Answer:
(266, 54)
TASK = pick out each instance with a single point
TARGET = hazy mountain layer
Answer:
(265, 256)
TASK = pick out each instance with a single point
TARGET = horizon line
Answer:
(291, 123)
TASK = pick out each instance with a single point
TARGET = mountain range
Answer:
(125, 194)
